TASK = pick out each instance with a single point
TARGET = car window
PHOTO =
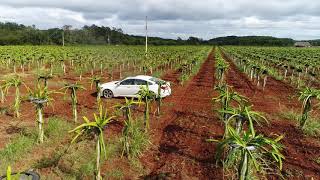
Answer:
(141, 82)
(127, 82)
(156, 80)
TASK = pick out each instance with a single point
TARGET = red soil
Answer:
(300, 151)
(179, 137)
(61, 106)
(179, 149)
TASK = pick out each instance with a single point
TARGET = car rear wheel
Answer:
(108, 93)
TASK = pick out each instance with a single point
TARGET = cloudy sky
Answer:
(298, 19)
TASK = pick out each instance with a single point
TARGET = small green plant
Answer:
(221, 67)
(40, 97)
(15, 82)
(127, 107)
(226, 98)
(95, 80)
(159, 97)
(248, 154)
(134, 139)
(73, 88)
(44, 77)
(146, 96)
(244, 153)
(306, 96)
(244, 114)
(96, 127)
(2, 93)
(183, 78)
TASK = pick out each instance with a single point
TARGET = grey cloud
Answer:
(172, 18)
(178, 9)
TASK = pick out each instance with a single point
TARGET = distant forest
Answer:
(19, 34)
(252, 41)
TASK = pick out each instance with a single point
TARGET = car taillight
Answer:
(164, 87)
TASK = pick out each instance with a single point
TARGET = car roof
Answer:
(143, 77)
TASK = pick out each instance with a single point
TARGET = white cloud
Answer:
(171, 18)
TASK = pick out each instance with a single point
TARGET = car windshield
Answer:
(157, 80)
(141, 82)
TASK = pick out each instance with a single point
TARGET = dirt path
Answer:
(278, 97)
(181, 150)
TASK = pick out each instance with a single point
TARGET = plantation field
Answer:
(240, 101)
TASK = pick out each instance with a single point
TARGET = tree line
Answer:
(19, 34)
(252, 41)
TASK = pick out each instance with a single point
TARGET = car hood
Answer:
(109, 84)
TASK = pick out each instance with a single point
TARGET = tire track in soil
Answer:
(182, 151)
(300, 151)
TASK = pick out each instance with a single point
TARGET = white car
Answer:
(130, 86)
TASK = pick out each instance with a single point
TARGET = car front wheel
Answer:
(108, 94)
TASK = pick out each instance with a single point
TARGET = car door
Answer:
(125, 88)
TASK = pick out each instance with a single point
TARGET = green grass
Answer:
(115, 174)
(183, 78)
(70, 161)
(57, 128)
(317, 160)
(137, 141)
(4, 110)
(312, 126)
(16, 149)
(46, 162)
(20, 145)
(290, 115)
(77, 161)
(157, 74)
(136, 138)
